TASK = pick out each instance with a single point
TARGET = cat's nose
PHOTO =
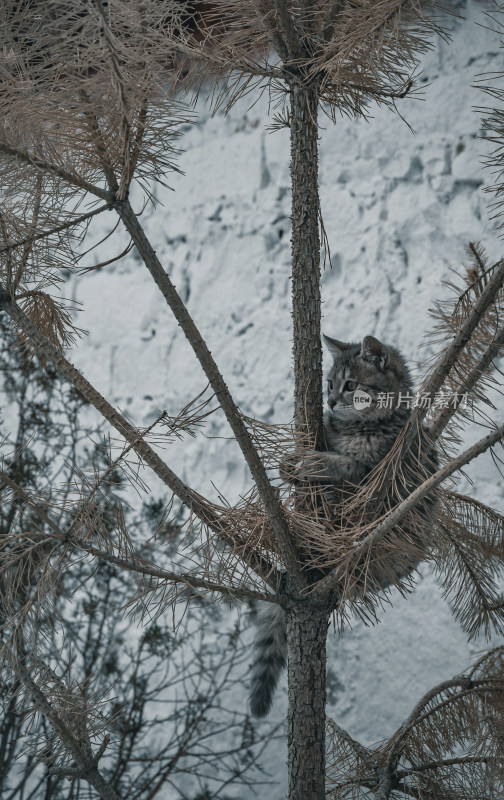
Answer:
(331, 403)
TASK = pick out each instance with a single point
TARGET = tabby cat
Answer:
(358, 435)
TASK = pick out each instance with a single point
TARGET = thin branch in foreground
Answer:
(397, 514)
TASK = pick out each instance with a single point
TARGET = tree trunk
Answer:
(306, 625)
(306, 639)
(306, 262)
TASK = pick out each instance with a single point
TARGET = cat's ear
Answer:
(336, 348)
(373, 350)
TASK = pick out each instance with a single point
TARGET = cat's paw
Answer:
(305, 467)
(312, 467)
(288, 467)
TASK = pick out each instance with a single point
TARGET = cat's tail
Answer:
(270, 656)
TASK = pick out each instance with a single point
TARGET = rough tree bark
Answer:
(307, 348)
(306, 623)
(306, 639)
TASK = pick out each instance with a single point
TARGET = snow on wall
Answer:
(399, 210)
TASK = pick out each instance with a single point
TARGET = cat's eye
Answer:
(330, 384)
(350, 386)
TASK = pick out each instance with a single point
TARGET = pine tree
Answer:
(93, 81)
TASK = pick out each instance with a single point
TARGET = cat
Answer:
(369, 399)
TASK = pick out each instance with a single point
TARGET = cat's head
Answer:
(366, 380)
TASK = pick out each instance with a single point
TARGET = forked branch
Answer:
(427, 755)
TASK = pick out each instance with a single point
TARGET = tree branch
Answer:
(46, 166)
(290, 34)
(444, 415)
(411, 721)
(449, 762)
(412, 791)
(98, 142)
(484, 689)
(356, 746)
(387, 783)
(250, 68)
(125, 126)
(397, 514)
(445, 365)
(57, 229)
(305, 243)
(330, 23)
(267, 13)
(390, 520)
(268, 494)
